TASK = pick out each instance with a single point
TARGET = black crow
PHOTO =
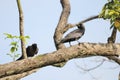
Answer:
(31, 51)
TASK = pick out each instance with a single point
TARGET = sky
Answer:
(40, 20)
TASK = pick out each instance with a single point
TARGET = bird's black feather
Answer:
(31, 51)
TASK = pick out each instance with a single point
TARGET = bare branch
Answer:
(112, 38)
(21, 28)
(116, 59)
(88, 19)
(62, 55)
(61, 24)
(68, 26)
(111, 41)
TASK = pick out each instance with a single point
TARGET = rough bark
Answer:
(19, 76)
(62, 55)
(61, 24)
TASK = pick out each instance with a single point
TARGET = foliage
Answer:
(14, 44)
(111, 11)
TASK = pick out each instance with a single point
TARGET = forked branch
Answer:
(61, 24)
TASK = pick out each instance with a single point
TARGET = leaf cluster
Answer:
(14, 44)
(111, 11)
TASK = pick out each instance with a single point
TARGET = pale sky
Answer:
(40, 20)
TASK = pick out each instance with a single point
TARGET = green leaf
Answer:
(8, 35)
(12, 50)
(16, 37)
(27, 37)
(13, 43)
(111, 11)
(117, 23)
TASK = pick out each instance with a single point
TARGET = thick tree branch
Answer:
(61, 24)
(19, 76)
(62, 55)
(21, 28)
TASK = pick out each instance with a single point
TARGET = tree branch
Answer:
(112, 38)
(19, 76)
(68, 26)
(62, 55)
(21, 28)
(61, 24)
(111, 41)
(114, 58)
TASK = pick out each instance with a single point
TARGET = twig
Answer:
(88, 19)
(68, 26)
(112, 38)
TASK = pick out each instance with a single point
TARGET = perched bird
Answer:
(31, 51)
(74, 35)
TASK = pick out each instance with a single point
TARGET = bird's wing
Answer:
(75, 33)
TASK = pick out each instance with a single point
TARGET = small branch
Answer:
(21, 28)
(88, 19)
(68, 26)
(61, 24)
(114, 58)
(112, 38)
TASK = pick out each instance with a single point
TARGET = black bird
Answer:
(31, 51)
(74, 35)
